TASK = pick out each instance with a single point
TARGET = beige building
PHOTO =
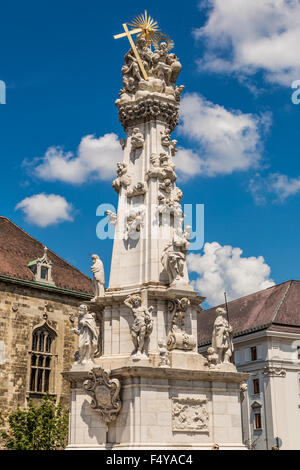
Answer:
(39, 297)
(266, 327)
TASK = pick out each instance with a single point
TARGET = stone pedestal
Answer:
(161, 409)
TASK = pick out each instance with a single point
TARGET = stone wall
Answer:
(22, 308)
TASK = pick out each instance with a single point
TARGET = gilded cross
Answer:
(135, 51)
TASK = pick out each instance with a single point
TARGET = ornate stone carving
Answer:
(142, 326)
(212, 358)
(165, 137)
(98, 277)
(222, 337)
(146, 109)
(112, 216)
(167, 142)
(178, 91)
(274, 372)
(105, 392)
(173, 263)
(177, 337)
(123, 143)
(174, 255)
(88, 333)
(139, 189)
(137, 139)
(123, 180)
(163, 354)
(162, 69)
(173, 148)
(162, 168)
(189, 415)
(134, 222)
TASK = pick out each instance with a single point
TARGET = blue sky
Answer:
(62, 67)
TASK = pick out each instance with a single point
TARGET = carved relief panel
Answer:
(189, 415)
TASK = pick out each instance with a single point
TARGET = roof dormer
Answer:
(41, 268)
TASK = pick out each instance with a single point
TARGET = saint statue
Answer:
(222, 337)
(98, 280)
(142, 325)
(88, 335)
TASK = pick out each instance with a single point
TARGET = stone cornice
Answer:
(171, 373)
(150, 107)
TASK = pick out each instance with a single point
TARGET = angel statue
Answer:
(142, 325)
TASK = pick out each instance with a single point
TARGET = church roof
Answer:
(18, 249)
(276, 308)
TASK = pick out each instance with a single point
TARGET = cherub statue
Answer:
(212, 357)
(163, 354)
(222, 337)
(112, 217)
(137, 139)
(142, 326)
(123, 180)
(173, 148)
(99, 279)
(88, 335)
(165, 137)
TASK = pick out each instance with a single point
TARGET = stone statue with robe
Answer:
(88, 333)
(222, 337)
(99, 279)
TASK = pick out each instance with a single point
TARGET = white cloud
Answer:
(226, 141)
(45, 209)
(222, 268)
(282, 186)
(249, 36)
(96, 158)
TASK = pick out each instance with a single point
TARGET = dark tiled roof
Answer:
(18, 248)
(278, 306)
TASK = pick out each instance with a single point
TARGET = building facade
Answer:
(39, 298)
(266, 329)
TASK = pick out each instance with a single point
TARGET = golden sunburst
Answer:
(163, 38)
(149, 28)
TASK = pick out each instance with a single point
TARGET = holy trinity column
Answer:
(150, 244)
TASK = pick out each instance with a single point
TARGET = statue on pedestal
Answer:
(222, 337)
(142, 325)
(88, 335)
(99, 279)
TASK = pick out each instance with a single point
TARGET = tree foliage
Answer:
(38, 427)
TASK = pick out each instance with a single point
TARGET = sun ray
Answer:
(150, 30)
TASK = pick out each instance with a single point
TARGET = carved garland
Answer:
(105, 393)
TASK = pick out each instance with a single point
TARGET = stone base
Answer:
(162, 408)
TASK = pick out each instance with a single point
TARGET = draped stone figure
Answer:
(99, 279)
(222, 337)
(88, 335)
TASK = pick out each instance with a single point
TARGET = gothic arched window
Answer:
(41, 364)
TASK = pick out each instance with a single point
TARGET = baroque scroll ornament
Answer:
(105, 393)
(177, 337)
